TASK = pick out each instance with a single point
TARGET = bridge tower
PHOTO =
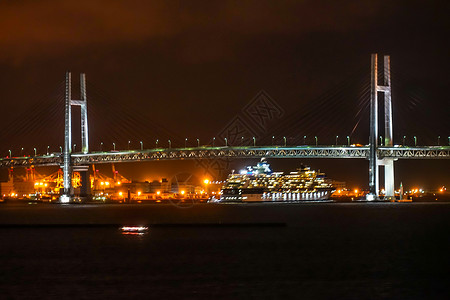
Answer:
(67, 167)
(374, 161)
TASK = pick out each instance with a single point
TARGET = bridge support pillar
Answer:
(373, 140)
(67, 167)
(388, 131)
(85, 188)
(389, 179)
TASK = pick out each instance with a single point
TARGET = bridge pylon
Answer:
(374, 161)
(67, 167)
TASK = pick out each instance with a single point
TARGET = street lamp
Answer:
(304, 140)
(404, 138)
(60, 148)
(74, 147)
(170, 144)
(101, 146)
(48, 149)
(114, 146)
(449, 140)
(198, 143)
(415, 141)
(34, 151)
(242, 140)
(226, 142)
(348, 140)
(439, 142)
(129, 145)
(156, 143)
(381, 140)
(254, 141)
(272, 139)
(142, 145)
(214, 140)
(185, 143)
(10, 154)
(284, 138)
(21, 151)
(337, 139)
(315, 137)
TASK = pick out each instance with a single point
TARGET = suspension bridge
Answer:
(379, 152)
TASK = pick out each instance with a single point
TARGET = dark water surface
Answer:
(323, 251)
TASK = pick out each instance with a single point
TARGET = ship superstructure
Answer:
(260, 183)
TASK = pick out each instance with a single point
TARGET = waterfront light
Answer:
(226, 142)
(315, 137)
(206, 181)
(185, 143)
(337, 139)
(10, 154)
(142, 145)
(64, 199)
(34, 151)
(129, 142)
(415, 141)
(114, 146)
(254, 141)
(284, 140)
(198, 143)
(214, 139)
(158, 193)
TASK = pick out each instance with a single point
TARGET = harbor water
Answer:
(220, 251)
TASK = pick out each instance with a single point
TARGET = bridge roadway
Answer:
(55, 159)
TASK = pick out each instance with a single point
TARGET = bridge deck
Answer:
(428, 152)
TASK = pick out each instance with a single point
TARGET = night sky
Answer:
(177, 69)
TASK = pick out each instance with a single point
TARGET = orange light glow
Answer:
(182, 192)
(206, 181)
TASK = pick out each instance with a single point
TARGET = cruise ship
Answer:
(260, 184)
